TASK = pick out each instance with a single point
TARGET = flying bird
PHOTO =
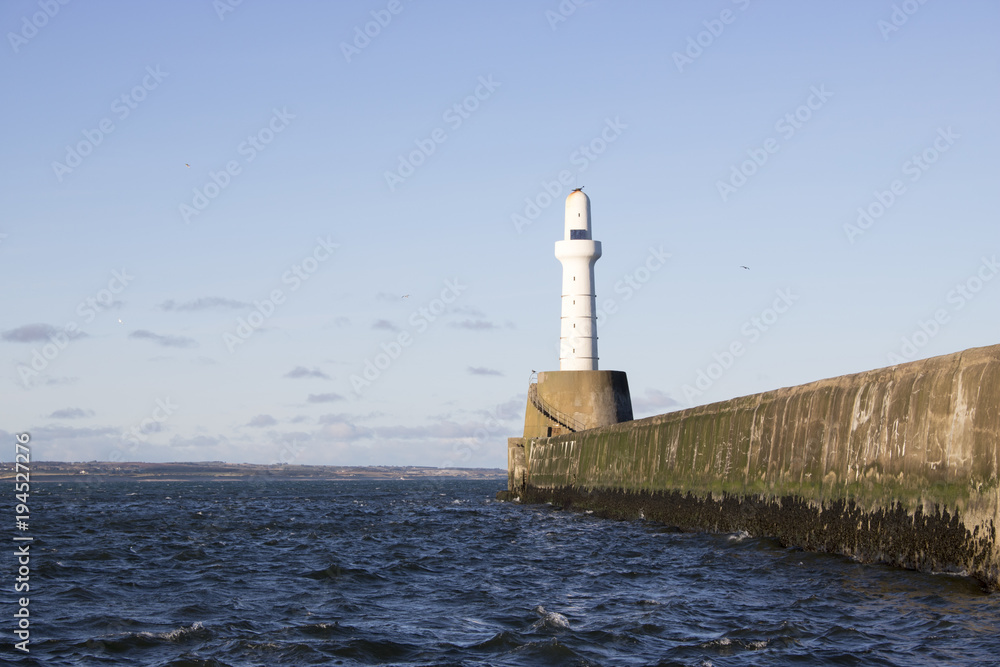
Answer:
(187, 165)
(405, 296)
(579, 189)
(745, 267)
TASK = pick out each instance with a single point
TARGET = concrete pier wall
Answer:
(896, 465)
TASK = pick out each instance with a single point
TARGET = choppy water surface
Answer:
(439, 573)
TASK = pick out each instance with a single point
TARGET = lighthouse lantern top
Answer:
(577, 216)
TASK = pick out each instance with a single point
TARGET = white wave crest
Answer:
(551, 619)
(174, 635)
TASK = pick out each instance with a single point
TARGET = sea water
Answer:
(413, 572)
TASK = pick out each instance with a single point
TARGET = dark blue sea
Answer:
(440, 573)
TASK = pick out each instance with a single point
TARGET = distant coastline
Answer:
(56, 471)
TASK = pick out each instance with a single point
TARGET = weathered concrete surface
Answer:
(896, 465)
(589, 399)
(517, 465)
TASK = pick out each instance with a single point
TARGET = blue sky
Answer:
(350, 197)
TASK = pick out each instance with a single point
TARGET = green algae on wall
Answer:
(912, 448)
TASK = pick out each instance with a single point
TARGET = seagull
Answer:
(579, 189)
(745, 267)
(405, 296)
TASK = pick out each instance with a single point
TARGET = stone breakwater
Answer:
(897, 465)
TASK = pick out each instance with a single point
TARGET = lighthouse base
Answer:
(570, 401)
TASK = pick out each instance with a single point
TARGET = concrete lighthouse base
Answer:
(571, 401)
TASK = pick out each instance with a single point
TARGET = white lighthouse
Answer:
(578, 252)
(578, 396)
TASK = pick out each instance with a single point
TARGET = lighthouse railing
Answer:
(551, 412)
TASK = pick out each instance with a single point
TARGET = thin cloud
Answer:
(343, 427)
(204, 303)
(35, 333)
(445, 429)
(340, 428)
(343, 417)
(29, 333)
(71, 413)
(54, 382)
(164, 341)
(474, 325)
(482, 370)
(260, 421)
(51, 433)
(303, 372)
(468, 311)
(150, 426)
(386, 325)
(334, 418)
(198, 443)
(324, 398)
(653, 402)
(510, 410)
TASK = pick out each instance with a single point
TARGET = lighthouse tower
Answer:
(578, 396)
(578, 253)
